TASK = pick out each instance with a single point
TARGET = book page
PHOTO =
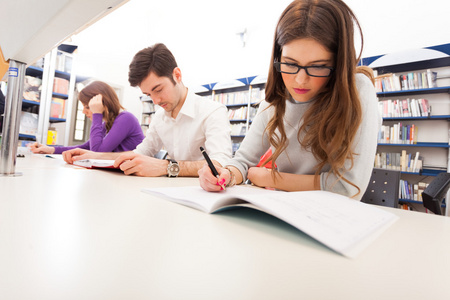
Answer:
(95, 163)
(198, 198)
(345, 225)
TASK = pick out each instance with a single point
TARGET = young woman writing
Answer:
(320, 116)
(112, 130)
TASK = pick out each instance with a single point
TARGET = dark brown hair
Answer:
(157, 59)
(109, 97)
(331, 123)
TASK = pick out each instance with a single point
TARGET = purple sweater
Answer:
(125, 135)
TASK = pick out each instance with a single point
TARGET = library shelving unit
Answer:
(148, 109)
(242, 97)
(432, 126)
(57, 66)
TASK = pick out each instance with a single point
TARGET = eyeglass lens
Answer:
(311, 71)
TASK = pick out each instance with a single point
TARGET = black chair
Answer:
(383, 188)
(434, 193)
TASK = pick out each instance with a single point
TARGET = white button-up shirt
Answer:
(200, 123)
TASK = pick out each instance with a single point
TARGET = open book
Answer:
(347, 226)
(95, 163)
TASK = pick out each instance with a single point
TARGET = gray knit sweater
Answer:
(296, 160)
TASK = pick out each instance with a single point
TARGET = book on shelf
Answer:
(346, 226)
(404, 108)
(404, 162)
(60, 86)
(404, 206)
(391, 82)
(232, 98)
(258, 95)
(95, 163)
(398, 133)
(412, 191)
(57, 108)
(238, 113)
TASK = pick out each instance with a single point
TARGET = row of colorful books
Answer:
(412, 191)
(241, 113)
(404, 206)
(258, 94)
(411, 81)
(232, 98)
(398, 133)
(405, 162)
(404, 108)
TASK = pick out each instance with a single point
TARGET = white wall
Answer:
(202, 36)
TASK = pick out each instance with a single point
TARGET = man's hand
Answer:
(78, 154)
(141, 165)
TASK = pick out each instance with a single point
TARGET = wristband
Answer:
(232, 181)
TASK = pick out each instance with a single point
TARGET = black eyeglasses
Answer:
(314, 71)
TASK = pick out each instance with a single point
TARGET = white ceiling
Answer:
(29, 29)
(202, 34)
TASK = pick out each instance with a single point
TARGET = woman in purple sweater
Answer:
(112, 130)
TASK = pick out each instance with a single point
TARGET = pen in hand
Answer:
(210, 164)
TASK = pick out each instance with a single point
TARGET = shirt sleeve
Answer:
(217, 133)
(61, 149)
(151, 143)
(365, 146)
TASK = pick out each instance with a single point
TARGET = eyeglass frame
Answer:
(278, 64)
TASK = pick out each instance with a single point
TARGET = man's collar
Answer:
(188, 108)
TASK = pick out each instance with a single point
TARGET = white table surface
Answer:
(73, 233)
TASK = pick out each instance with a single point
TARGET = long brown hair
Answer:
(109, 97)
(331, 123)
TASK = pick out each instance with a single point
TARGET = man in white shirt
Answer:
(186, 122)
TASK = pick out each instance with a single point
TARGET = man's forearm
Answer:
(190, 168)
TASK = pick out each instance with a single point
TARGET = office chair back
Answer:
(383, 188)
(435, 192)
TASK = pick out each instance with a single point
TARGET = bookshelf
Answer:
(148, 109)
(48, 97)
(405, 110)
(241, 97)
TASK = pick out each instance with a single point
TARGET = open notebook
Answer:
(345, 225)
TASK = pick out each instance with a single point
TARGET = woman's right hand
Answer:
(211, 183)
(41, 149)
(96, 104)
